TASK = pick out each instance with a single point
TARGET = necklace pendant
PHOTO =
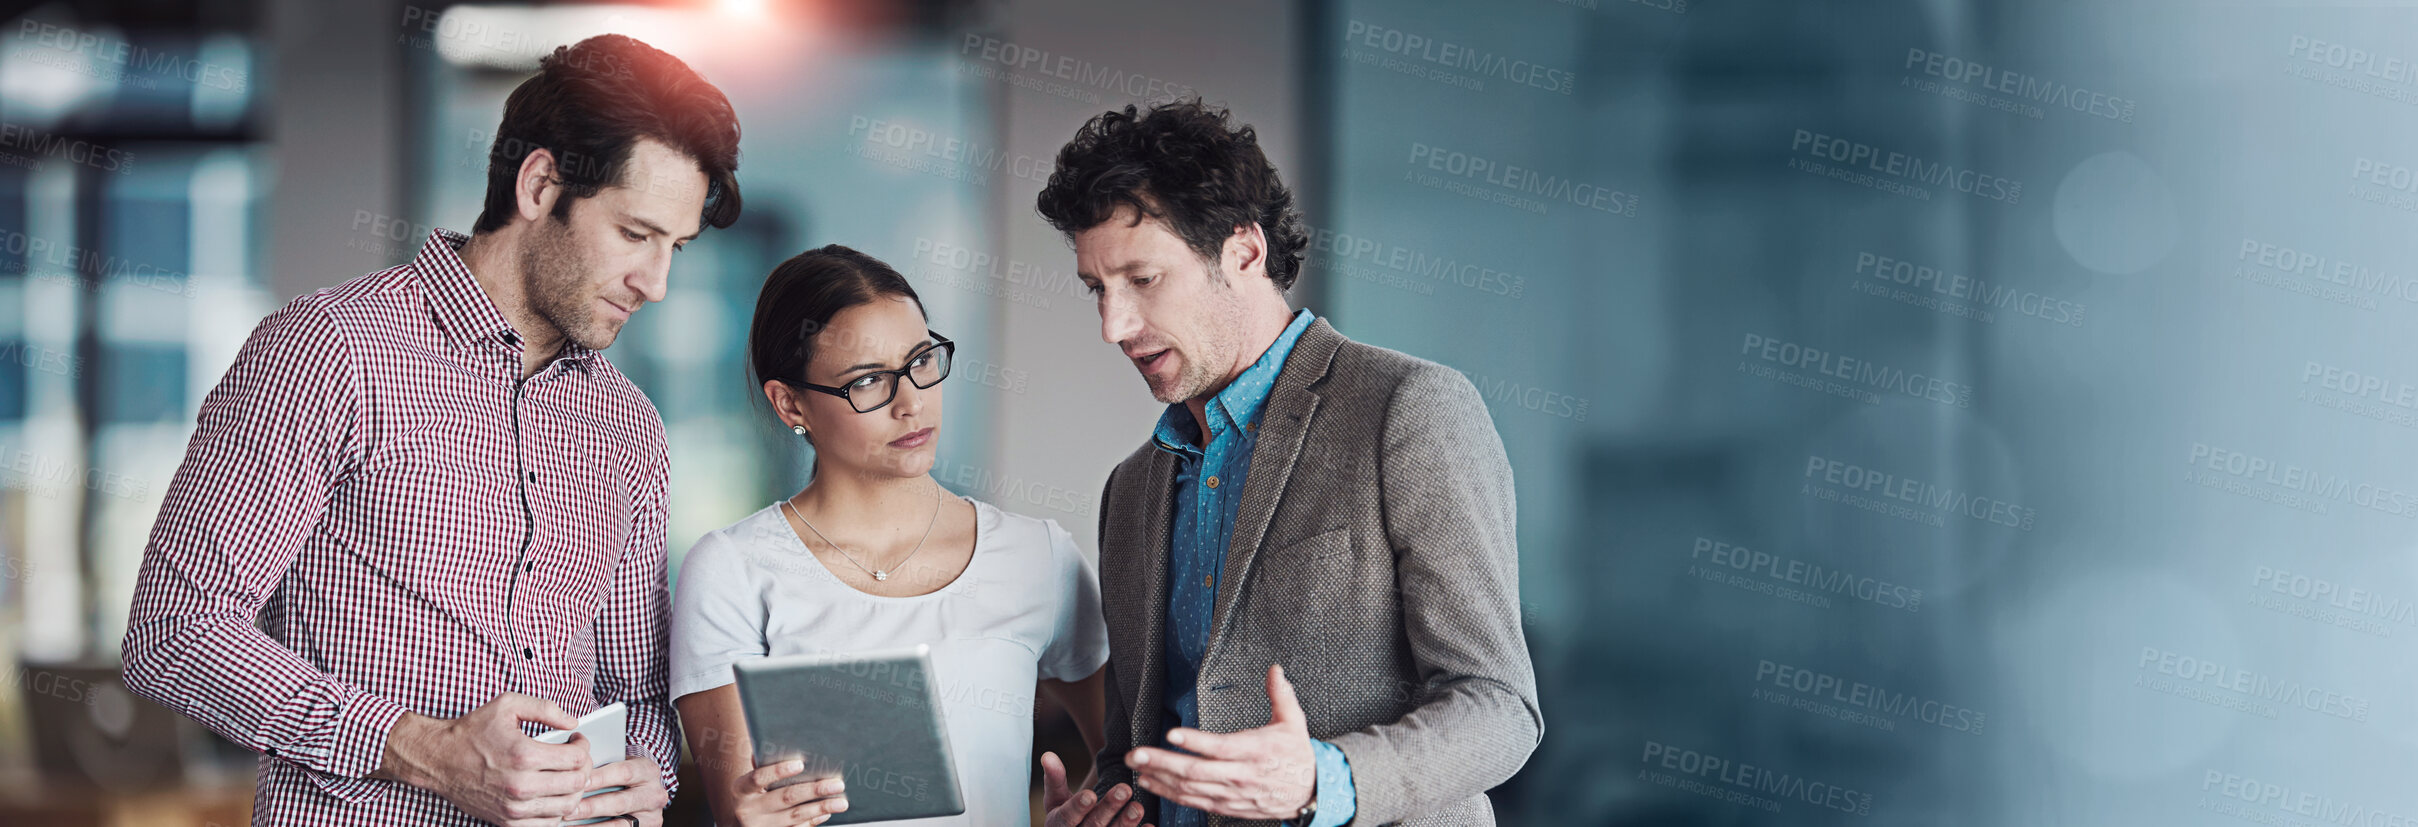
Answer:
(881, 575)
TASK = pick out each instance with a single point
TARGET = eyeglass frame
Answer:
(939, 342)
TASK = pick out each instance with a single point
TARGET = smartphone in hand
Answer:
(607, 730)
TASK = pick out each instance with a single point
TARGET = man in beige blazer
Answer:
(1310, 570)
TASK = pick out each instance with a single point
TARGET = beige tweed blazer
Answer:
(1374, 556)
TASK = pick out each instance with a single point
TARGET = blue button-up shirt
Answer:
(1209, 486)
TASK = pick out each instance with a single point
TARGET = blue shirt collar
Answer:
(1240, 403)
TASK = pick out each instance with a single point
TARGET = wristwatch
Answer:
(1309, 812)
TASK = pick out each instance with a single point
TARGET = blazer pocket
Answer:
(1312, 552)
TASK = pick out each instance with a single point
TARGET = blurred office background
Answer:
(1922, 412)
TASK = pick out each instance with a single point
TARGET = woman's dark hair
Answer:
(591, 101)
(799, 300)
(1182, 164)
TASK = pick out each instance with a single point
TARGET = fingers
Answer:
(1104, 811)
(1151, 769)
(547, 809)
(1180, 789)
(1071, 812)
(1212, 744)
(1203, 774)
(545, 784)
(531, 778)
(536, 756)
(644, 793)
(630, 772)
(826, 790)
(1089, 809)
(637, 799)
(805, 802)
(763, 777)
(535, 821)
(1222, 796)
(1053, 781)
(519, 707)
(1283, 706)
(815, 811)
(1191, 780)
(501, 734)
(1166, 762)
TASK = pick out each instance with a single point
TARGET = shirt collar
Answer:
(1239, 405)
(461, 306)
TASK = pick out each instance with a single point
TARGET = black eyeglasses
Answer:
(868, 393)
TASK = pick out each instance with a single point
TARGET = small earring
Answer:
(800, 430)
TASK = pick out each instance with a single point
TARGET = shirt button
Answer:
(1212, 482)
(528, 565)
(533, 476)
(529, 653)
(1206, 584)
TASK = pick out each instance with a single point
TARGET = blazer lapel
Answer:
(1282, 426)
(1146, 606)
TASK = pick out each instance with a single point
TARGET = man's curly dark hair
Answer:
(1182, 164)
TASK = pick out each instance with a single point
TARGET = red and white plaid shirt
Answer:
(414, 528)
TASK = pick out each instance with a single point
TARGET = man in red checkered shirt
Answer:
(422, 518)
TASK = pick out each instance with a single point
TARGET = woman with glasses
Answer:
(874, 555)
